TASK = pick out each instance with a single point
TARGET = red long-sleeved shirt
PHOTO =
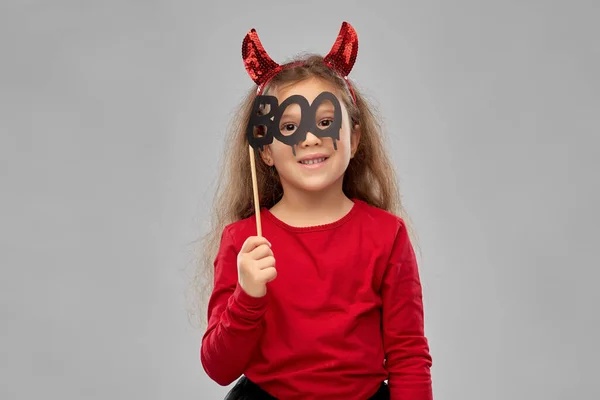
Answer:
(347, 296)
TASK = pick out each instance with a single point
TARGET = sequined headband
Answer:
(262, 68)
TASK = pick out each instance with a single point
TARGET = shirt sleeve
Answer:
(235, 319)
(408, 360)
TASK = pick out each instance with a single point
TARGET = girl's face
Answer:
(317, 165)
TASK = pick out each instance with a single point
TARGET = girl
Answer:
(327, 302)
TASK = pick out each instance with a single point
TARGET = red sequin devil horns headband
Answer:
(262, 68)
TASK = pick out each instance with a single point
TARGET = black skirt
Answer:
(245, 389)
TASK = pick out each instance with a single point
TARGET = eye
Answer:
(326, 122)
(289, 127)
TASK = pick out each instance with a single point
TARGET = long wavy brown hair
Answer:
(370, 175)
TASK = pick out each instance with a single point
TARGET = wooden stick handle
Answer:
(255, 191)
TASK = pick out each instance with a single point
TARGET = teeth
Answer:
(316, 160)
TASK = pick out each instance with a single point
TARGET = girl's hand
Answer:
(256, 266)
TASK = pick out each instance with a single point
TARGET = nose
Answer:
(311, 140)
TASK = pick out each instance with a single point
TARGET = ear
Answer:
(266, 155)
(354, 139)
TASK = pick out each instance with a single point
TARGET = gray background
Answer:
(111, 114)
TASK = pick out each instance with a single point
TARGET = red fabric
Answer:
(347, 296)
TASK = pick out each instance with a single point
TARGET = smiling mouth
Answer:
(314, 161)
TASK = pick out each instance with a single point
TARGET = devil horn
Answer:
(257, 62)
(343, 53)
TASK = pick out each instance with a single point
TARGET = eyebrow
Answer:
(322, 108)
(289, 114)
(326, 108)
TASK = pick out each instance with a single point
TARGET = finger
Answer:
(268, 274)
(252, 242)
(260, 252)
(266, 262)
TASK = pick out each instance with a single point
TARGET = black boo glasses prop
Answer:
(271, 120)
